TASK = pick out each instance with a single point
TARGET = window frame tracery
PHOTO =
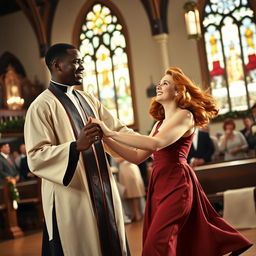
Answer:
(201, 46)
(80, 21)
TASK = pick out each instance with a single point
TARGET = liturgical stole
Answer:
(97, 176)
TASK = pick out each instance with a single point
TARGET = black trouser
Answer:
(53, 247)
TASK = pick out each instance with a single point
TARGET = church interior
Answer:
(126, 47)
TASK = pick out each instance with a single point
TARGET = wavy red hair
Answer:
(200, 103)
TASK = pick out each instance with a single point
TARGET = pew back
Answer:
(2, 203)
(219, 177)
(30, 194)
(29, 191)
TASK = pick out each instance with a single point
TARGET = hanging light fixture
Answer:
(192, 20)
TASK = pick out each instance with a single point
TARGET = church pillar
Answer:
(162, 40)
(157, 15)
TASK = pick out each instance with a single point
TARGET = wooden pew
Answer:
(30, 193)
(218, 177)
(2, 203)
(11, 227)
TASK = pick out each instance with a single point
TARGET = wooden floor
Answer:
(30, 245)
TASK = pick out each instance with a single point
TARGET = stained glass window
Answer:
(106, 75)
(230, 40)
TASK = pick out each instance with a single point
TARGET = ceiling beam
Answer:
(40, 17)
(157, 15)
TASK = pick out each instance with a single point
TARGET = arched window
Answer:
(103, 44)
(230, 42)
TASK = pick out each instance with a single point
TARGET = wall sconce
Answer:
(192, 20)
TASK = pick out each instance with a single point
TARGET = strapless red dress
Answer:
(179, 219)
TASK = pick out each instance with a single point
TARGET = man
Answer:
(7, 165)
(252, 138)
(82, 208)
(201, 149)
(23, 153)
(247, 131)
(25, 173)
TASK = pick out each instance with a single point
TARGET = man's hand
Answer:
(88, 135)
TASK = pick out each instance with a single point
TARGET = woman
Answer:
(179, 219)
(130, 177)
(232, 143)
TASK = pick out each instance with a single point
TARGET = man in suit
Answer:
(252, 139)
(201, 149)
(22, 151)
(25, 173)
(247, 132)
(7, 165)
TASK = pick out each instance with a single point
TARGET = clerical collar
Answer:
(64, 87)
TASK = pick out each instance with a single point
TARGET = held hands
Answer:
(88, 135)
(107, 132)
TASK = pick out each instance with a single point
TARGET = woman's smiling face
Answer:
(165, 90)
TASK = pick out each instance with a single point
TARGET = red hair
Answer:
(200, 103)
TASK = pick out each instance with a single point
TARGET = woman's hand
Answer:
(235, 150)
(107, 132)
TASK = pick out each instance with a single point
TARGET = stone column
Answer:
(162, 40)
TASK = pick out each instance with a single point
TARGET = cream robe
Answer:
(48, 135)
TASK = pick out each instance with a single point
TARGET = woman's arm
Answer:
(135, 156)
(170, 131)
(132, 155)
(243, 144)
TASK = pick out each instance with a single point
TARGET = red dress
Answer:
(179, 219)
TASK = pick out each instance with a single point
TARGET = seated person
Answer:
(232, 143)
(248, 134)
(130, 178)
(22, 151)
(149, 166)
(24, 170)
(252, 139)
(201, 149)
(7, 165)
(216, 151)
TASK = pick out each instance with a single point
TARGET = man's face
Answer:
(5, 149)
(70, 71)
(23, 149)
(247, 122)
